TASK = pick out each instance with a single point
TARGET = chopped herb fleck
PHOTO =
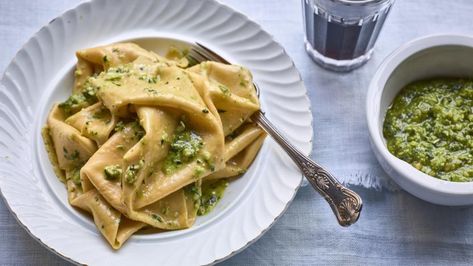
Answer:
(75, 177)
(151, 91)
(165, 210)
(73, 104)
(211, 167)
(157, 217)
(199, 170)
(120, 147)
(119, 69)
(139, 132)
(211, 193)
(113, 76)
(119, 126)
(112, 172)
(78, 73)
(164, 138)
(224, 89)
(194, 192)
(71, 156)
(132, 171)
(152, 80)
(90, 93)
(101, 113)
(181, 127)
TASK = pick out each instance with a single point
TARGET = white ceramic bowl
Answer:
(427, 57)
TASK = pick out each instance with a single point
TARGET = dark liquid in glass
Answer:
(340, 40)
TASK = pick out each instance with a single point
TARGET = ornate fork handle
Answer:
(345, 203)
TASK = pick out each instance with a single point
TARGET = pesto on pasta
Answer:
(147, 141)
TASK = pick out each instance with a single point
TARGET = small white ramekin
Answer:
(426, 57)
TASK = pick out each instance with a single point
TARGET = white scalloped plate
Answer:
(41, 73)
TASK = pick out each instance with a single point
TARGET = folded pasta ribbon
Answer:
(142, 134)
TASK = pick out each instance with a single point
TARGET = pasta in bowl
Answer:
(149, 141)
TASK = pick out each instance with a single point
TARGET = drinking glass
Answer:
(340, 34)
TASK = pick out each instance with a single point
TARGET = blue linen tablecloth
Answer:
(394, 229)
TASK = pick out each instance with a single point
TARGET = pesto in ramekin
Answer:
(430, 126)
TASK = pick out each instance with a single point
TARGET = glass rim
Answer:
(361, 2)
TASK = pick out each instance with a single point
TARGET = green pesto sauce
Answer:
(132, 171)
(112, 172)
(77, 101)
(48, 143)
(75, 177)
(185, 146)
(212, 192)
(430, 126)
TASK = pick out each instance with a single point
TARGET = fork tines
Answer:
(200, 53)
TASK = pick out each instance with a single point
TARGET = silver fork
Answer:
(345, 203)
